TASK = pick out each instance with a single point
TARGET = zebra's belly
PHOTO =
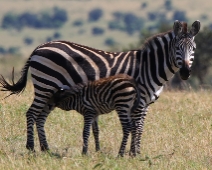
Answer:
(103, 109)
(100, 108)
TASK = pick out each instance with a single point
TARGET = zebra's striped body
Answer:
(59, 64)
(102, 96)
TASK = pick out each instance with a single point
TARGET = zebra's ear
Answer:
(177, 27)
(195, 28)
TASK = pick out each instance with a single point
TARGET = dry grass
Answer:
(177, 135)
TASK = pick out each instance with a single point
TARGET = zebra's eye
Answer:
(192, 59)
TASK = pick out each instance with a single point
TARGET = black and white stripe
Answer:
(59, 63)
(102, 96)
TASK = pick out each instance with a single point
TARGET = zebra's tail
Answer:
(137, 101)
(19, 86)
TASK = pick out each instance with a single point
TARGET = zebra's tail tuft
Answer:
(15, 88)
(137, 101)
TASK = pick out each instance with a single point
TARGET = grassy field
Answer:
(177, 135)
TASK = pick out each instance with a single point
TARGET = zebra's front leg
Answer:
(139, 134)
(140, 129)
(95, 129)
(133, 139)
(88, 120)
(40, 122)
(137, 130)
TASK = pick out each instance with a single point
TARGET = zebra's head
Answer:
(183, 46)
(63, 96)
(60, 96)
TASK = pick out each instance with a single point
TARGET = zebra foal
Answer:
(102, 96)
(64, 64)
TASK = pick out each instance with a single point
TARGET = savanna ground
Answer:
(177, 135)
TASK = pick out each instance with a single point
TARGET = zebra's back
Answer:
(71, 63)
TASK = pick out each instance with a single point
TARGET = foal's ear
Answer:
(58, 93)
(177, 27)
(61, 93)
(195, 28)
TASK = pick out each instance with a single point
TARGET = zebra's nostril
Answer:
(185, 73)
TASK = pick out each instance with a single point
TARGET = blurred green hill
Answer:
(100, 24)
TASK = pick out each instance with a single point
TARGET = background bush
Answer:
(95, 14)
(127, 22)
(53, 18)
(97, 31)
(28, 40)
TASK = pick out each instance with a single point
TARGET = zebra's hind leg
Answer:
(88, 120)
(33, 112)
(31, 116)
(40, 122)
(126, 127)
(95, 129)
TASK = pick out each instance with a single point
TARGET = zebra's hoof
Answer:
(132, 154)
(97, 149)
(30, 147)
(121, 155)
(44, 148)
(84, 152)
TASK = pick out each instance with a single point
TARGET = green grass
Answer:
(177, 135)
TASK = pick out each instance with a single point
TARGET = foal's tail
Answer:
(138, 96)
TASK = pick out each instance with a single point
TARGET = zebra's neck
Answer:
(157, 65)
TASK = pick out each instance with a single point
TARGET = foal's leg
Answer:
(88, 120)
(95, 129)
(125, 120)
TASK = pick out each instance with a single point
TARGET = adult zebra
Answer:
(59, 64)
(91, 99)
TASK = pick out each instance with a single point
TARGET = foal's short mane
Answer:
(78, 87)
(185, 28)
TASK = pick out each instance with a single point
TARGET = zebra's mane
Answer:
(154, 37)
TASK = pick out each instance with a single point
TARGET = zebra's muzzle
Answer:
(185, 73)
